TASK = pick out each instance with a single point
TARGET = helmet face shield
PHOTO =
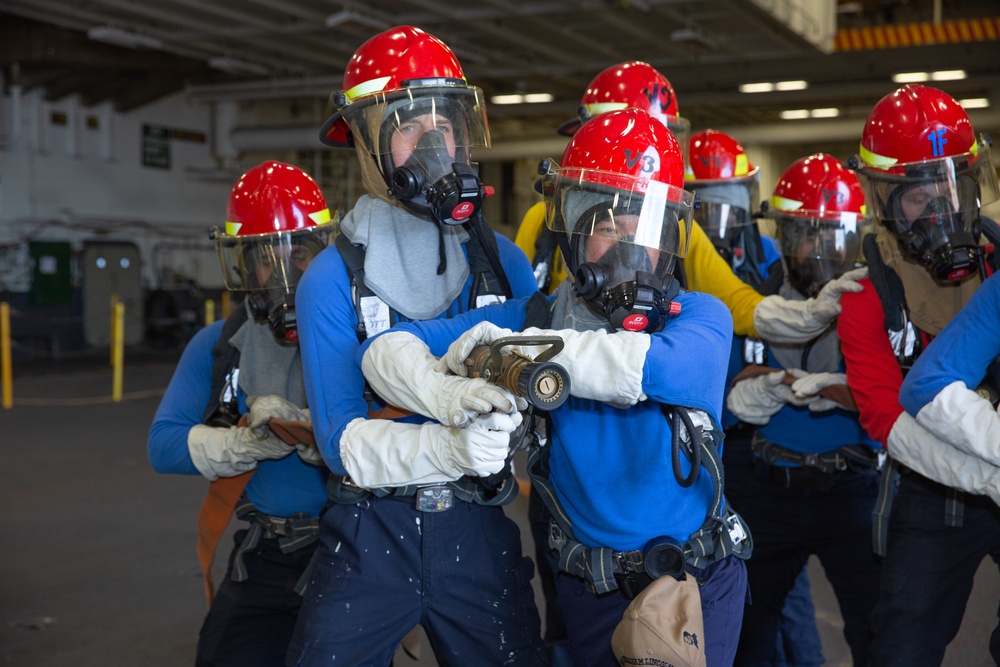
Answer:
(623, 224)
(935, 197)
(391, 124)
(270, 263)
(725, 206)
(819, 247)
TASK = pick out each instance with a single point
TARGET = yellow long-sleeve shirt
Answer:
(706, 271)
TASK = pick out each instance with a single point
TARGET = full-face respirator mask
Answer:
(436, 180)
(932, 208)
(629, 284)
(939, 238)
(268, 268)
(621, 285)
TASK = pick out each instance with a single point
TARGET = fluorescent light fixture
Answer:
(948, 75)
(794, 114)
(791, 85)
(910, 77)
(234, 66)
(940, 75)
(760, 87)
(975, 103)
(825, 113)
(767, 86)
(133, 40)
(799, 114)
(518, 98)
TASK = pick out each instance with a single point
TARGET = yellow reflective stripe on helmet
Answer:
(597, 108)
(320, 217)
(974, 149)
(365, 87)
(876, 160)
(742, 166)
(233, 228)
(784, 203)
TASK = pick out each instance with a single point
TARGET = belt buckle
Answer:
(282, 527)
(434, 498)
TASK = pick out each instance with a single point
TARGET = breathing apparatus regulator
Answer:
(638, 304)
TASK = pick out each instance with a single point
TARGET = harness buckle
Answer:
(280, 526)
(557, 538)
(434, 498)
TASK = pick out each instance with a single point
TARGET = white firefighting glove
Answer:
(227, 452)
(918, 449)
(265, 408)
(601, 366)
(401, 370)
(782, 320)
(757, 399)
(380, 452)
(483, 333)
(808, 385)
(965, 420)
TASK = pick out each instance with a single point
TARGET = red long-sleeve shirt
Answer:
(873, 372)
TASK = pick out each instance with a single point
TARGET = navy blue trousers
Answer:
(796, 642)
(928, 573)
(250, 623)
(591, 619)
(383, 567)
(789, 525)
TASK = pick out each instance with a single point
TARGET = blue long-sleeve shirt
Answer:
(960, 353)
(280, 487)
(611, 467)
(328, 341)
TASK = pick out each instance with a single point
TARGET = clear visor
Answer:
(724, 207)
(627, 224)
(819, 247)
(947, 192)
(270, 262)
(392, 124)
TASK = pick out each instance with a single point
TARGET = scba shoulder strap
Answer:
(225, 359)
(488, 278)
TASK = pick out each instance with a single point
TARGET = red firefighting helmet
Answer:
(819, 211)
(622, 163)
(275, 213)
(402, 61)
(714, 155)
(631, 84)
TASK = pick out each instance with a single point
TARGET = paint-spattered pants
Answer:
(383, 567)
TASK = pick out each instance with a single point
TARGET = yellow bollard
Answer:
(226, 305)
(5, 367)
(117, 351)
(111, 335)
(209, 311)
